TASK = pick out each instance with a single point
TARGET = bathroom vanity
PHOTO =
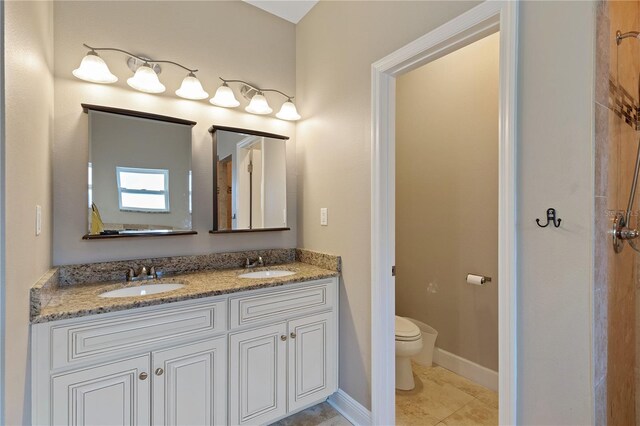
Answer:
(220, 350)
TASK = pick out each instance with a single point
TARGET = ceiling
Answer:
(291, 10)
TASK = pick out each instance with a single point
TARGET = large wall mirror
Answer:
(139, 174)
(250, 180)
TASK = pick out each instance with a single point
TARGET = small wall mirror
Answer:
(139, 174)
(250, 177)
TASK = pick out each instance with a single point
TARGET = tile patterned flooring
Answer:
(322, 414)
(444, 398)
(440, 398)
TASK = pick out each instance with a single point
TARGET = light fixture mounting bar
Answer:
(114, 49)
(257, 89)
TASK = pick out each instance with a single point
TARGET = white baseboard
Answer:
(351, 409)
(465, 368)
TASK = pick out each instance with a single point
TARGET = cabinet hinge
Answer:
(393, 271)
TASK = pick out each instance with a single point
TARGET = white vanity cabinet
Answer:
(110, 394)
(251, 357)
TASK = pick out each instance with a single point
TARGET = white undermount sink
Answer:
(142, 290)
(266, 274)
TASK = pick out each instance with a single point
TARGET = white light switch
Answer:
(324, 216)
(38, 220)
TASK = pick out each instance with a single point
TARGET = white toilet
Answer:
(408, 344)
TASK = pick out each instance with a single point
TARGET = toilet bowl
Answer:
(408, 344)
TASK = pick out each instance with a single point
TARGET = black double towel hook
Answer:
(551, 218)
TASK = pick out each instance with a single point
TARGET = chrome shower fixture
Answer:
(631, 34)
(621, 231)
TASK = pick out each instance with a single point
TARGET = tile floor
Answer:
(444, 398)
(322, 414)
(440, 398)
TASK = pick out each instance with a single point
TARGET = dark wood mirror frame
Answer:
(213, 129)
(150, 116)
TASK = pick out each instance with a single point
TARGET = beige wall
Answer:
(555, 160)
(227, 39)
(447, 198)
(29, 127)
(336, 44)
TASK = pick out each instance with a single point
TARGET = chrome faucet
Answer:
(142, 274)
(258, 262)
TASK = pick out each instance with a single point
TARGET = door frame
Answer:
(487, 18)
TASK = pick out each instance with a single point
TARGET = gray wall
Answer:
(447, 198)
(28, 97)
(336, 45)
(228, 39)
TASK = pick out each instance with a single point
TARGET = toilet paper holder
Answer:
(477, 279)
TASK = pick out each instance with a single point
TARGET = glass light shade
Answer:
(259, 105)
(94, 69)
(224, 97)
(191, 88)
(288, 112)
(146, 80)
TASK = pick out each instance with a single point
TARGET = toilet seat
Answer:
(406, 331)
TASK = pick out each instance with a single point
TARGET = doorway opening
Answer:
(488, 18)
(446, 333)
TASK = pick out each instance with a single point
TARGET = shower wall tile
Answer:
(602, 55)
(607, 130)
(615, 275)
(601, 403)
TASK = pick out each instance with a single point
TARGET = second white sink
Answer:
(266, 274)
(142, 290)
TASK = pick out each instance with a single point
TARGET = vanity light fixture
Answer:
(258, 103)
(94, 69)
(191, 88)
(224, 97)
(146, 80)
(288, 111)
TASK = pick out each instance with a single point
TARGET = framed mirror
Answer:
(250, 181)
(139, 174)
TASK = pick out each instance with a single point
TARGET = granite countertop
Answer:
(83, 299)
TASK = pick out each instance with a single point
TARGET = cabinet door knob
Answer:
(293, 335)
(159, 371)
(283, 337)
(143, 376)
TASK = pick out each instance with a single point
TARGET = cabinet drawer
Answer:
(246, 310)
(92, 340)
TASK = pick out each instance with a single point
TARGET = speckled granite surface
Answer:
(42, 292)
(321, 260)
(115, 271)
(83, 299)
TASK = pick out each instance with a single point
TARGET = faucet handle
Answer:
(260, 261)
(143, 271)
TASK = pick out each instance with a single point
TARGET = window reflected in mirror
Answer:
(139, 173)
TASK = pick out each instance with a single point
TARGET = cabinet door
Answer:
(257, 388)
(112, 394)
(190, 384)
(312, 359)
